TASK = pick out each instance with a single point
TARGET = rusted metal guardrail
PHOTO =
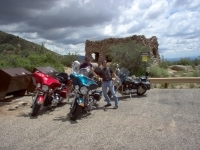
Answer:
(175, 80)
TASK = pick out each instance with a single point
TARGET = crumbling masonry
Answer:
(100, 48)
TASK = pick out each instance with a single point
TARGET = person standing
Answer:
(86, 64)
(106, 75)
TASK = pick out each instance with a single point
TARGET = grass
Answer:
(156, 71)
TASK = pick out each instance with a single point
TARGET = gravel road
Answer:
(163, 119)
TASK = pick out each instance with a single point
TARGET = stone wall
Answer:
(100, 48)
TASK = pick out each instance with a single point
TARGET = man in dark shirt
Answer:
(86, 64)
(106, 75)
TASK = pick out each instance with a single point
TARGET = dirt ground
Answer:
(14, 105)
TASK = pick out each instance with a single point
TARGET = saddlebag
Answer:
(147, 84)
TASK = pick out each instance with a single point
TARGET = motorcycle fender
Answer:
(97, 95)
(40, 99)
(147, 84)
(80, 101)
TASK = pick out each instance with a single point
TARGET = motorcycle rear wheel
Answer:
(35, 109)
(75, 112)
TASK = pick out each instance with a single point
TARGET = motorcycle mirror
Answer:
(147, 73)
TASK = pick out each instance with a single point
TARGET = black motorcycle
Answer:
(126, 85)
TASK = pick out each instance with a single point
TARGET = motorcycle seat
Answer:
(136, 81)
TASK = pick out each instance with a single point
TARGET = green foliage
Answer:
(156, 71)
(196, 73)
(69, 58)
(192, 85)
(4, 48)
(45, 60)
(172, 86)
(187, 61)
(129, 56)
(196, 61)
(35, 60)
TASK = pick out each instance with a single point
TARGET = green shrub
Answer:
(196, 73)
(172, 85)
(129, 56)
(32, 61)
(192, 85)
(156, 71)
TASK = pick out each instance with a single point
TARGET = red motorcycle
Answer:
(50, 90)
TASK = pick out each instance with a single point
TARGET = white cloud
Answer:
(64, 26)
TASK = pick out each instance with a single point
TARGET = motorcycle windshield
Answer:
(81, 80)
(46, 79)
(123, 72)
(85, 71)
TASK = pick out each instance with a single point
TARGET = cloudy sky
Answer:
(65, 25)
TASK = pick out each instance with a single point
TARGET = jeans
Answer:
(109, 84)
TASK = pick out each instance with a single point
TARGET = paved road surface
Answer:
(163, 119)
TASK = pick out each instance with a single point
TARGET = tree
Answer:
(129, 56)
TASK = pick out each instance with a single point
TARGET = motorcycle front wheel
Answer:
(75, 112)
(141, 90)
(35, 109)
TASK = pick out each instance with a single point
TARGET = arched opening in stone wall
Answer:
(155, 53)
(95, 56)
(107, 58)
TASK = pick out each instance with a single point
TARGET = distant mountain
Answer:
(81, 58)
(177, 59)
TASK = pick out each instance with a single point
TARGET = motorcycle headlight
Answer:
(83, 89)
(45, 88)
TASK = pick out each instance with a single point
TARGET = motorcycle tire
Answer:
(75, 112)
(35, 109)
(141, 90)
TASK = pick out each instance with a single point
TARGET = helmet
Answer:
(75, 66)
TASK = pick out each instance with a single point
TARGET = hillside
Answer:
(11, 44)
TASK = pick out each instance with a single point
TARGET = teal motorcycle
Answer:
(86, 94)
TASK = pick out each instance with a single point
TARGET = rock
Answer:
(11, 108)
(181, 68)
(160, 128)
(189, 68)
(22, 104)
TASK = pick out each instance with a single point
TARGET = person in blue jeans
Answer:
(106, 75)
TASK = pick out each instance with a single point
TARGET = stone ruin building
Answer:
(100, 48)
